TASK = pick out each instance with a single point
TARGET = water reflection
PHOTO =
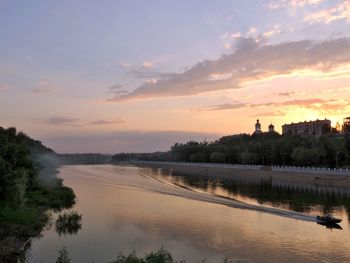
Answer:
(311, 199)
(330, 226)
(130, 208)
(68, 223)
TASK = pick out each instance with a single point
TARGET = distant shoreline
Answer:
(264, 173)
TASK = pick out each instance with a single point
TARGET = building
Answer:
(346, 125)
(316, 127)
(258, 128)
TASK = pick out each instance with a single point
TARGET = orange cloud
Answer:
(308, 103)
(107, 122)
(250, 62)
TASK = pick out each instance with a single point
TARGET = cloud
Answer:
(272, 31)
(236, 35)
(74, 122)
(145, 73)
(45, 88)
(324, 107)
(326, 16)
(60, 120)
(227, 45)
(292, 4)
(107, 122)
(297, 102)
(117, 90)
(225, 106)
(332, 107)
(125, 141)
(269, 114)
(124, 64)
(250, 61)
(251, 32)
(148, 64)
(285, 94)
(217, 77)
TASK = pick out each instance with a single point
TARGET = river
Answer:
(126, 209)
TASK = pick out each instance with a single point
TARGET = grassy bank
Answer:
(19, 223)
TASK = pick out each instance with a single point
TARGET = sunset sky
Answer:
(113, 76)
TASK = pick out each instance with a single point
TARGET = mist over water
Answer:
(130, 208)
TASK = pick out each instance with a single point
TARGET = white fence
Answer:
(311, 170)
(207, 165)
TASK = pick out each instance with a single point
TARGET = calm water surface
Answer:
(130, 208)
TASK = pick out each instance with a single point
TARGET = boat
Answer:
(328, 219)
(330, 226)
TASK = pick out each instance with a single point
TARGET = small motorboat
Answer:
(330, 226)
(328, 219)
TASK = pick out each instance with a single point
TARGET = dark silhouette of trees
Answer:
(17, 173)
(329, 150)
(347, 144)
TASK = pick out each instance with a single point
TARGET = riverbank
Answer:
(259, 172)
(14, 237)
(21, 223)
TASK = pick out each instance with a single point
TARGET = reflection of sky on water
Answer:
(304, 198)
(123, 210)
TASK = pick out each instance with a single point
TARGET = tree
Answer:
(249, 158)
(305, 157)
(197, 157)
(17, 173)
(217, 157)
(347, 144)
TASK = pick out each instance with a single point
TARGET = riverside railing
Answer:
(207, 165)
(312, 170)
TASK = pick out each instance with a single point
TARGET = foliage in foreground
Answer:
(160, 256)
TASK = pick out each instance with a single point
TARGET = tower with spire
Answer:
(257, 127)
(271, 128)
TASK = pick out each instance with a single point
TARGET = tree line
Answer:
(24, 195)
(329, 150)
(17, 171)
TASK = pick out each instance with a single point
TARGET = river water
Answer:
(126, 209)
